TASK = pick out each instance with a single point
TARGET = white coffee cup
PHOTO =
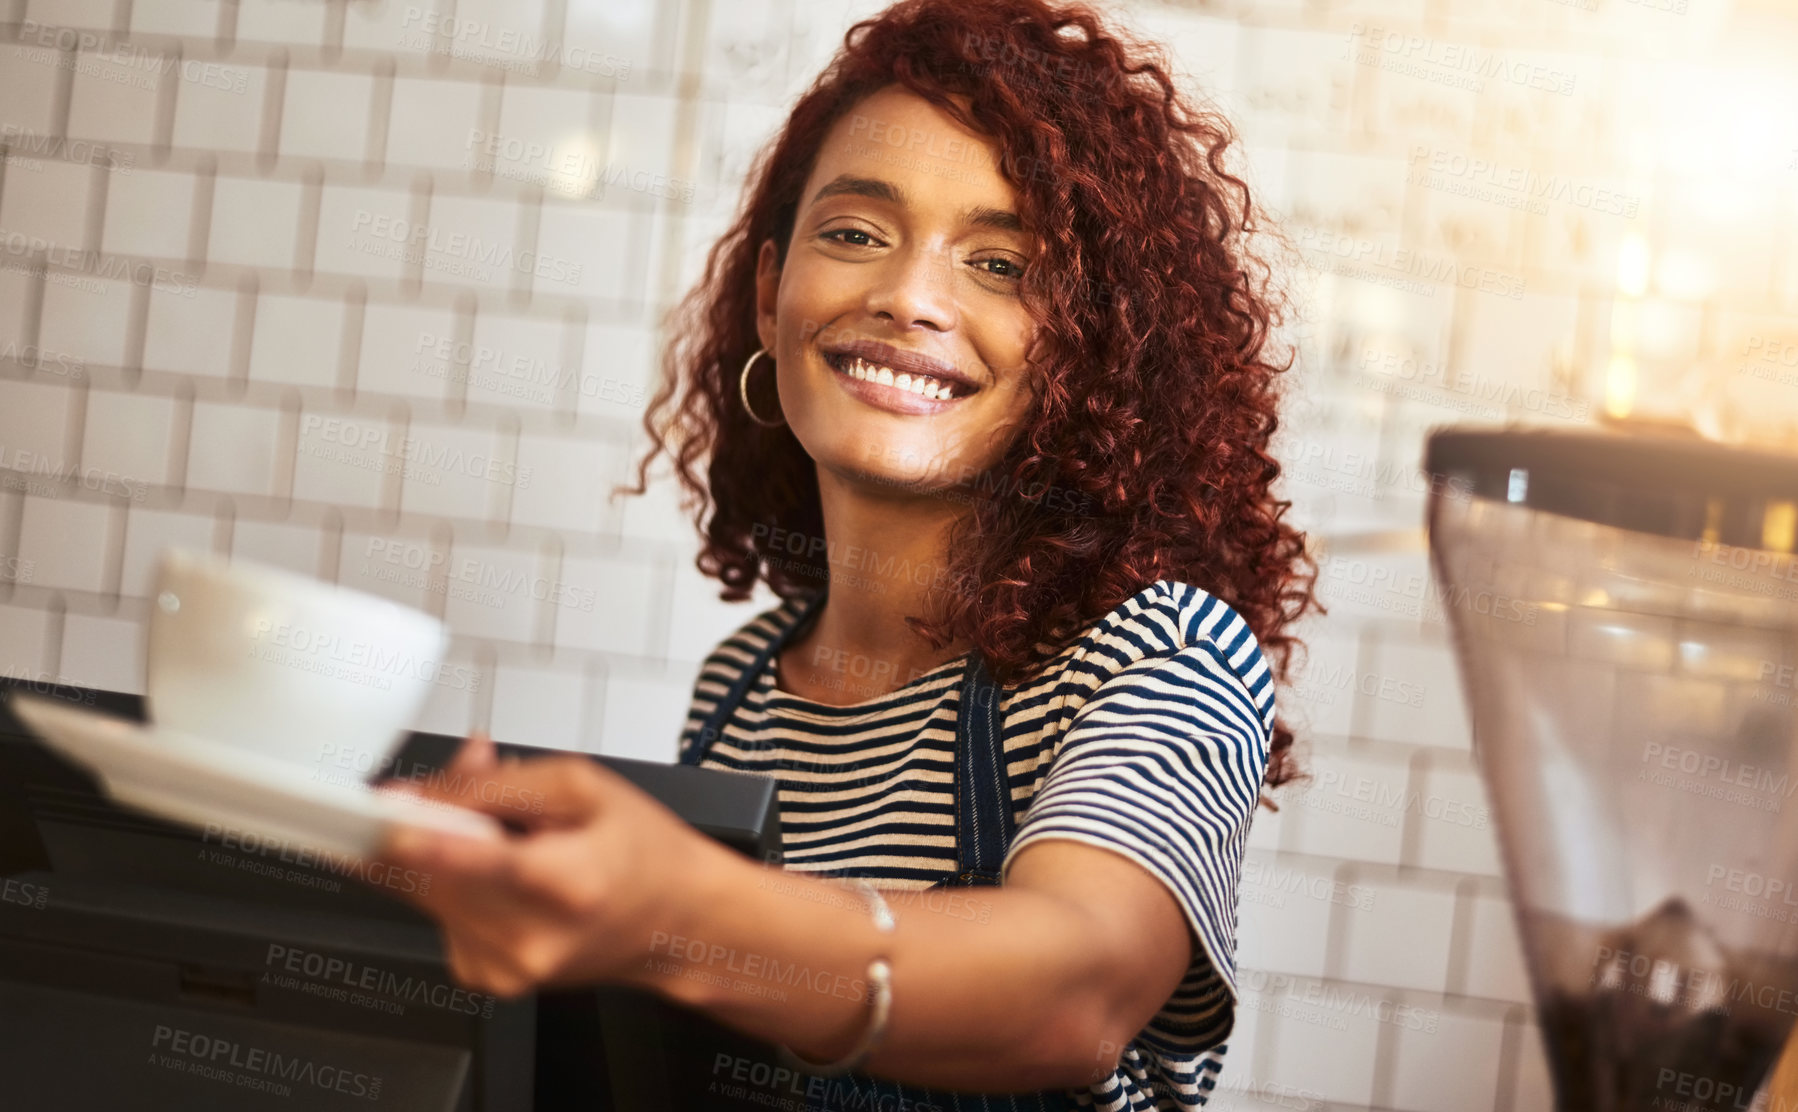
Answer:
(275, 663)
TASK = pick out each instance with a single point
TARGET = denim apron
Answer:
(984, 826)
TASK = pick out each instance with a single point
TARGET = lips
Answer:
(882, 363)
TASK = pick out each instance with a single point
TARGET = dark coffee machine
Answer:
(1625, 613)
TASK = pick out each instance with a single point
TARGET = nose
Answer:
(912, 287)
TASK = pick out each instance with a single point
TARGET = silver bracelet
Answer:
(880, 979)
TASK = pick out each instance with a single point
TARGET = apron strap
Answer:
(983, 820)
(713, 727)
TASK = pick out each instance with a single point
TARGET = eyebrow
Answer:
(981, 216)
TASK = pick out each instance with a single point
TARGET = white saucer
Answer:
(223, 789)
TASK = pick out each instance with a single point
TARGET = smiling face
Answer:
(895, 322)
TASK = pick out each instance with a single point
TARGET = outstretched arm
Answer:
(1037, 984)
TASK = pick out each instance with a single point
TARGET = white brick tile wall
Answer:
(148, 213)
(1323, 691)
(114, 100)
(314, 122)
(87, 319)
(473, 240)
(50, 203)
(1453, 1067)
(1436, 712)
(432, 122)
(347, 460)
(455, 471)
(1495, 968)
(195, 19)
(656, 515)
(291, 545)
(1422, 112)
(24, 641)
(297, 340)
(190, 330)
(149, 532)
(366, 232)
(643, 718)
(1267, 830)
(395, 348)
(34, 427)
(539, 127)
(28, 89)
(516, 32)
(699, 619)
(255, 222)
(608, 605)
(225, 115)
(600, 243)
(12, 570)
(389, 25)
(751, 51)
(280, 21)
(1294, 83)
(394, 567)
(619, 372)
(1284, 924)
(464, 685)
(642, 132)
(538, 706)
(515, 361)
(569, 481)
(1328, 1051)
(1204, 51)
(1354, 807)
(233, 448)
(66, 542)
(105, 653)
(1403, 939)
(1453, 820)
(620, 39)
(13, 285)
(491, 591)
(71, 13)
(1532, 1087)
(734, 131)
(130, 436)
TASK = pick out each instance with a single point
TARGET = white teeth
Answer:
(922, 385)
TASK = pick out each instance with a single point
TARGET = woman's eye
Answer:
(1006, 268)
(849, 232)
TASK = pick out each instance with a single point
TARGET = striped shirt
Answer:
(1147, 736)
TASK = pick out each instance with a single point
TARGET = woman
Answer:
(977, 378)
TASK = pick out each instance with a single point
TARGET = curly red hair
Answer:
(1154, 400)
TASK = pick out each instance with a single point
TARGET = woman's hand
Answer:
(575, 896)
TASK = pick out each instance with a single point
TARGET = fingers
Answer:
(542, 791)
(479, 780)
(509, 910)
(470, 877)
(560, 789)
(431, 852)
(481, 964)
(477, 753)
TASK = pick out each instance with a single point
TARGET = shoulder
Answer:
(1172, 621)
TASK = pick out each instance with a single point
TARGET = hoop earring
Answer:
(743, 389)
